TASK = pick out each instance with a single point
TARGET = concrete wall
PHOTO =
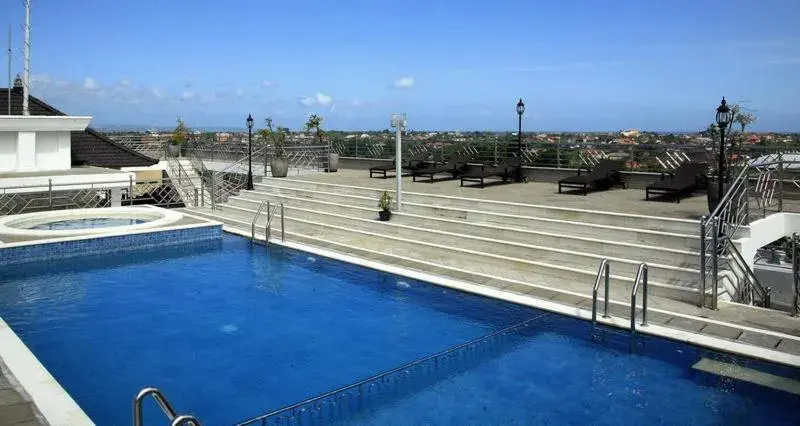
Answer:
(34, 151)
(635, 180)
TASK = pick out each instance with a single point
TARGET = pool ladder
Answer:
(604, 274)
(166, 408)
(268, 227)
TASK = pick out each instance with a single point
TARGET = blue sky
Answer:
(578, 64)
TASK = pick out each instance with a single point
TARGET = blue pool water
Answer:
(87, 223)
(229, 331)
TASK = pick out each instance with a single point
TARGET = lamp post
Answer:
(249, 152)
(520, 111)
(723, 119)
(398, 123)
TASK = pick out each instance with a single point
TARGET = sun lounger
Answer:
(455, 166)
(604, 175)
(686, 178)
(505, 169)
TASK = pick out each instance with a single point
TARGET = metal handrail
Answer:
(165, 406)
(751, 281)
(641, 277)
(270, 216)
(604, 269)
(795, 276)
(262, 418)
(255, 218)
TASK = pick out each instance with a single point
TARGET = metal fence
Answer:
(61, 196)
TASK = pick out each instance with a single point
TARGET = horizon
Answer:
(579, 66)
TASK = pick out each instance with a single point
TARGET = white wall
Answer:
(53, 151)
(8, 151)
(35, 151)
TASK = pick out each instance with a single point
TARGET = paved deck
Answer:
(619, 200)
(15, 407)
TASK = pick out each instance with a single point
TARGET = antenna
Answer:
(9, 69)
(27, 64)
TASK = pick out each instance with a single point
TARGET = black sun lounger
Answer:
(604, 175)
(686, 178)
(455, 166)
(416, 161)
(505, 169)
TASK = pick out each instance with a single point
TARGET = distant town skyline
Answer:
(579, 65)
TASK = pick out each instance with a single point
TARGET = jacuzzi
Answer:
(68, 223)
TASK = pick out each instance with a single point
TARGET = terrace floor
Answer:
(15, 408)
(629, 201)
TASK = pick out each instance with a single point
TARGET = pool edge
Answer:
(765, 355)
(52, 401)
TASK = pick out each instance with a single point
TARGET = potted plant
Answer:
(315, 122)
(385, 205)
(177, 138)
(278, 163)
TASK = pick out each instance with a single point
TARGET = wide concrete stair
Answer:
(187, 182)
(544, 246)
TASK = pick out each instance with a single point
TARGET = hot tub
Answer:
(67, 223)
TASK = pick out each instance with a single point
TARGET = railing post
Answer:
(746, 198)
(608, 283)
(780, 182)
(50, 194)
(283, 228)
(702, 301)
(130, 190)
(633, 318)
(715, 261)
(644, 296)
(195, 196)
(202, 193)
(269, 222)
(213, 198)
(795, 277)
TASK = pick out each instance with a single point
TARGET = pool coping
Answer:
(708, 342)
(54, 403)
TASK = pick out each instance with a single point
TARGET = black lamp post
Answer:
(723, 119)
(249, 152)
(520, 111)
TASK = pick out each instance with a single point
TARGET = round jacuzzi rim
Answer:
(156, 218)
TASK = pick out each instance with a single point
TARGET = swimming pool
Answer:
(229, 331)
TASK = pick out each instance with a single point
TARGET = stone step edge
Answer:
(710, 342)
(458, 209)
(597, 257)
(590, 274)
(511, 203)
(482, 225)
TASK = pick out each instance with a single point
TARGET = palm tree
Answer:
(744, 119)
(315, 123)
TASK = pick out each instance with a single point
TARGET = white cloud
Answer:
(156, 92)
(404, 83)
(187, 95)
(123, 83)
(318, 99)
(784, 61)
(267, 83)
(90, 84)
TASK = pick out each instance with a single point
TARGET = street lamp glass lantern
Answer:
(724, 114)
(520, 107)
(249, 121)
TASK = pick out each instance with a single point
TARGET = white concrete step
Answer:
(437, 216)
(326, 190)
(486, 257)
(427, 227)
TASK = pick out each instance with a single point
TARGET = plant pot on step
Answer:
(174, 150)
(384, 215)
(333, 162)
(279, 167)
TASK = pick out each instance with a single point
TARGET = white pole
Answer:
(398, 164)
(9, 70)
(27, 49)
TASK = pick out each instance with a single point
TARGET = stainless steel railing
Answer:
(641, 277)
(270, 216)
(166, 408)
(603, 270)
(255, 219)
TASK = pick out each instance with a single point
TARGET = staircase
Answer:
(187, 182)
(494, 241)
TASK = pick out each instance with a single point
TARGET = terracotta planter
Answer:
(279, 167)
(333, 162)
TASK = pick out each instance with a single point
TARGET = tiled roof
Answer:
(89, 147)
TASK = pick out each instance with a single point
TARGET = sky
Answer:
(579, 65)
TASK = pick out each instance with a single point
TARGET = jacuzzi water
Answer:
(88, 223)
(229, 331)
